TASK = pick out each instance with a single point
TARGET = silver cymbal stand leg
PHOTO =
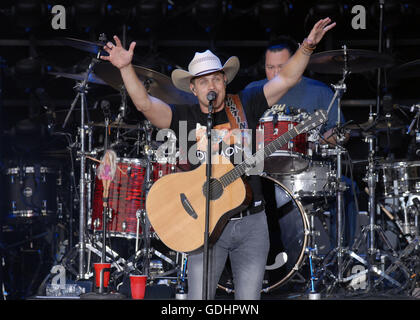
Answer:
(371, 180)
(339, 251)
(340, 88)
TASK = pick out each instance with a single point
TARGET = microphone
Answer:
(211, 96)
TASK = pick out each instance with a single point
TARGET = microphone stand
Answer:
(205, 293)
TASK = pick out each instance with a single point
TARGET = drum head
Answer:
(288, 229)
(285, 163)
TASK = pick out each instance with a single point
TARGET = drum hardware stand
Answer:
(141, 214)
(89, 176)
(106, 211)
(148, 184)
(181, 289)
(123, 106)
(100, 253)
(415, 119)
(82, 88)
(340, 88)
(368, 232)
(313, 295)
(339, 251)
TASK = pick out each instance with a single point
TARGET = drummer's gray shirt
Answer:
(310, 95)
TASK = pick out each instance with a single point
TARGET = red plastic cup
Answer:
(98, 268)
(138, 286)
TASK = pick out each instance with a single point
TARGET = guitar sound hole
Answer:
(216, 189)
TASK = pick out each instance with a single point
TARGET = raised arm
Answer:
(155, 110)
(296, 65)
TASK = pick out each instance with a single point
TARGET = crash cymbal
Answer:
(406, 71)
(358, 61)
(87, 46)
(157, 84)
(80, 77)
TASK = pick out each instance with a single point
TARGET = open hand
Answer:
(118, 56)
(319, 30)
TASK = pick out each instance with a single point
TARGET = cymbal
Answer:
(380, 125)
(121, 125)
(406, 71)
(79, 76)
(87, 46)
(358, 61)
(157, 84)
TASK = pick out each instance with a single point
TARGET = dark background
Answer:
(168, 33)
(34, 104)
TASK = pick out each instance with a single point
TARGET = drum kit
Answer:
(301, 182)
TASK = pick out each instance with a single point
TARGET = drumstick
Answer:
(93, 159)
(382, 207)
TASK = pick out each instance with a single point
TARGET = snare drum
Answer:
(291, 157)
(318, 180)
(31, 191)
(399, 179)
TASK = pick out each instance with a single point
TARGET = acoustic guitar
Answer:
(176, 203)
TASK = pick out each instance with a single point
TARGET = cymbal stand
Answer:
(141, 215)
(123, 106)
(82, 89)
(340, 89)
(338, 251)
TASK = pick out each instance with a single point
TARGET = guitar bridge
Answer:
(188, 207)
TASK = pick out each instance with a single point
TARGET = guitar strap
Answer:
(235, 112)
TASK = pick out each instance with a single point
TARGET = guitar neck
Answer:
(259, 156)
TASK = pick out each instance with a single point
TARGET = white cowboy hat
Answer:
(204, 63)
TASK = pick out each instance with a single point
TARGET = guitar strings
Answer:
(232, 175)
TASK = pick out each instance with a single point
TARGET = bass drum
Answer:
(289, 231)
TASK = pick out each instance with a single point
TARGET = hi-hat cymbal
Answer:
(80, 76)
(405, 71)
(356, 60)
(157, 84)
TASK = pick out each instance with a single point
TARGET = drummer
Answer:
(308, 95)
